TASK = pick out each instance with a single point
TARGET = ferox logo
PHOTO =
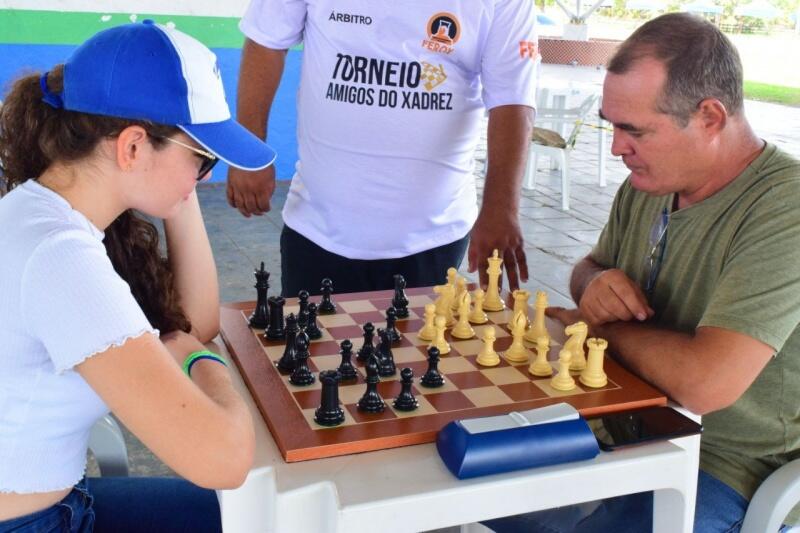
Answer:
(443, 31)
(350, 18)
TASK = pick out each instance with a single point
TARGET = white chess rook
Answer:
(593, 375)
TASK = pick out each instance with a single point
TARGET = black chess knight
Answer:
(400, 301)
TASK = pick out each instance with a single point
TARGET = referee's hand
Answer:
(251, 192)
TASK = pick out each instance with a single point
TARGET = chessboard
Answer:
(469, 391)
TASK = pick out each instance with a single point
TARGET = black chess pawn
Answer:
(329, 413)
(372, 402)
(432, 378)
(391, 319)
(302, 375)
(400, 301)
(368, 348)
(276, 330)
(326, 306)
(405, 401)
(260, 317)
(288, 361)
(312, 329)
(383, 352)
(302, 299)
(346, 369)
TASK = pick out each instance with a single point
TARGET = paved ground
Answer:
(554, 239)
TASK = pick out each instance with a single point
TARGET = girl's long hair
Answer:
(33, 135)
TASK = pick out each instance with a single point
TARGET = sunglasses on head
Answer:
(209, 159)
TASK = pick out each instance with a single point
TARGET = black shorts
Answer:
(304, 265)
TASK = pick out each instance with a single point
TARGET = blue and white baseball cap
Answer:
(147, 71)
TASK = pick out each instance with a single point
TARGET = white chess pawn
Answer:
(452, 275)
(477, 316)
(517, 353)
(493, 301)
(541, 366)
(538, 327)
(439, 341)
(428, 331)
(463, 330)
(461, 288)
(577, 332)
(563, 381)
(487, 356)
(593, 375)
(521, 303)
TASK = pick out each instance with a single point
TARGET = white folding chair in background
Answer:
(109, 449)
(551, 143)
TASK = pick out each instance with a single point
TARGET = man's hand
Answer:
(564, 315)
(500, 231)
(250, 192)
(611, 296)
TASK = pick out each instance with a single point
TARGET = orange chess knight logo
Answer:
(443, 30)
(529, 49)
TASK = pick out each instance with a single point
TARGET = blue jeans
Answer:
(719, 509)
(126, 504)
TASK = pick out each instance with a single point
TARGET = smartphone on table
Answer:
(641, 426)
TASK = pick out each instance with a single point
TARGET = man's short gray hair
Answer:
(701, 62)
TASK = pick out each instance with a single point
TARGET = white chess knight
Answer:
(578, 333)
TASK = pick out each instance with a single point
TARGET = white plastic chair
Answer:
(569, 117)
(773, 500)
(108, 446)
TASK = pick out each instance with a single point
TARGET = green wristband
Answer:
(192, 358)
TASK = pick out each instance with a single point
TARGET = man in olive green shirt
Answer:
(695, 280)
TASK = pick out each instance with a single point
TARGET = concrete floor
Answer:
(554, 239)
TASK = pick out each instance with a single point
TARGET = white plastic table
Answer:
(409, 489)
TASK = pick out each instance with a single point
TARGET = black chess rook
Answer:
(276, 329)
(329, 413)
